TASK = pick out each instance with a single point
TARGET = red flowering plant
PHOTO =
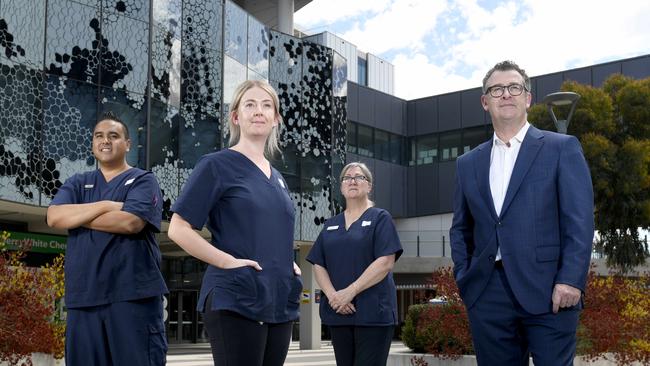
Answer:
(30, 320)
(615, 323)
(441, 329)
(616, 320)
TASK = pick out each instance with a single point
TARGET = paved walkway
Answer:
(199, 355)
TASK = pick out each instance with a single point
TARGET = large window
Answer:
(472, 137)
(352, 137)
(382, 145)
(450, 145)
(396, 149)
(427, 149)
(365, 141)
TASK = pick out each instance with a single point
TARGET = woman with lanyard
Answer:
(250, 291)
(360, 299)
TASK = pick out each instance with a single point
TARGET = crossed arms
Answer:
(104, 216)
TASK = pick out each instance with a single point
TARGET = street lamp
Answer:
(561, 99)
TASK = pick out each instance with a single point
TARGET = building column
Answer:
(285, 16)
(309, 318)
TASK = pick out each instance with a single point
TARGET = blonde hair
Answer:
(272, 145)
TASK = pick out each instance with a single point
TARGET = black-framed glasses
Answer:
(498, 90)
(356, 178)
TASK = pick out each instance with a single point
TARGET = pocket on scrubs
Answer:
(157, 345)
(295, 289)
(244, 285)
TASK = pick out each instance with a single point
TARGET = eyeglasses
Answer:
(498, 90)
(356, 179)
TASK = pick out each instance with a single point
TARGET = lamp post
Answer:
(561, 99)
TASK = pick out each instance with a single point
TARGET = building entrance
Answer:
(184, 324)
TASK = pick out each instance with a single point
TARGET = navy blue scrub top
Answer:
(249, 216)
(101, 267)
(346, 254)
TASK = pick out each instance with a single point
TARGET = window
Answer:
(396, 149)
(472, 137)
(365, 141)
(427, 149)
(351, 137)
(382, 145)
(449, 145)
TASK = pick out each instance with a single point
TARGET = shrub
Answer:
(615, 321)
(439, 329)
(29, 304)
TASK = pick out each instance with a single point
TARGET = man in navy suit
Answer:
(522, 232)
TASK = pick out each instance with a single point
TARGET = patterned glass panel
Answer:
(339, 127)
(202, 21)
(258, 48)
(22, 29)
(135, 9)
(70, 113)
(165, 66)
(129, 108)
(72, 40)
(20, 141)
(201, 88)
(163, 152)
(235, 28)
(124, 53)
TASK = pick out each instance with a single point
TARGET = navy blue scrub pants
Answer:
(505, 334)
(361, 346)
(129, 333)
(237, 341)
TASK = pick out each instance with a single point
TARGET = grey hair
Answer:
(506, 66)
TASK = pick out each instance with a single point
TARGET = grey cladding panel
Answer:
(548, 84)
(426, 116)
(383, 184)
(426, 189)
(602, 72)
(446, 186)
(472, 110)
(397, 120)
(583, 76)
(449, 112)
(638, 68)
(397, 193)
(366, 106)
(353, 102)
(382, 111)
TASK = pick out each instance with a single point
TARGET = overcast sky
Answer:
(442, 46)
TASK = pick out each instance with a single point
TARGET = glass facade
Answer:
(168, 68)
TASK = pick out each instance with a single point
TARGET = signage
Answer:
(39, 243)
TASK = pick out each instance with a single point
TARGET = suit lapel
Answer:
(482, 169)
(527, 153)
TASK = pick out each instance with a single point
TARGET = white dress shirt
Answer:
(502, 162)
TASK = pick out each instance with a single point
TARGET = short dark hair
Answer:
(109, 115)
(506, 66)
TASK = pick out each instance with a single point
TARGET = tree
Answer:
(613, 125)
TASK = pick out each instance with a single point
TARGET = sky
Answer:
(442, 46)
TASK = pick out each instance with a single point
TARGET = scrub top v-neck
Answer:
(101, 267)
(250, 216)
(346, 254)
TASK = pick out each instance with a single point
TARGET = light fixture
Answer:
(561, 99)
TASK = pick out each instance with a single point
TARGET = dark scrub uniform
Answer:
(249, 216)
(113, 283)
(361, 338)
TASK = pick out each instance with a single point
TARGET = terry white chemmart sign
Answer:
(36, 242)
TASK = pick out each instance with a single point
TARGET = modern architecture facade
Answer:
(168, 68)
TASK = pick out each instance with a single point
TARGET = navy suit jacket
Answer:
(546, 226)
